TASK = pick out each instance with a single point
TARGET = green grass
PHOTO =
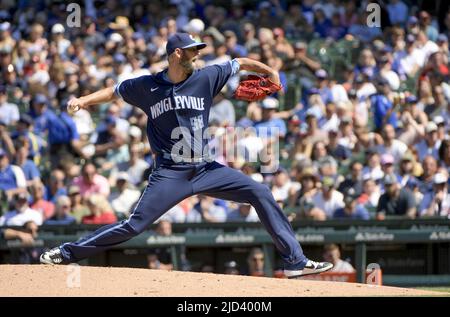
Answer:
(436, 289)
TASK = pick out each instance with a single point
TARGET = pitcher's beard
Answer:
(188, 67)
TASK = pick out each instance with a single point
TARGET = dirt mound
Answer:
(43, 280)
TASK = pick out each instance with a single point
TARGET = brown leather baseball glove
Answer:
(255, 88)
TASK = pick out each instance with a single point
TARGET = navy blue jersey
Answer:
(177, 113)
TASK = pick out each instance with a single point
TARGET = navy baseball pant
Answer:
(170, 184)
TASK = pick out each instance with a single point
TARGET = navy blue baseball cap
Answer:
(182, 40)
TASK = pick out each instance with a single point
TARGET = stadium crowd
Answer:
(368, 140)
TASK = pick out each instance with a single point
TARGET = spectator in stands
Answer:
(12, 178)
(101, 212)
(231, 268)
(391, 145)
(78, 208)
(62, 215)
(206, 211)
(24, 129)
(22, 213)
(430, 167)
(124, 199)
(396, 201)
(328, 199)
(269, 126)
(161, 258)
(135, 167)
(46, 208)
(444, 155)
(255, 262)
(29, 168)
(56, 185)
(332, 254)
(222, 110)
(354, 180)
(382, 107)
(244, 213)
(370, 195)
(430, 144)
(90, 182)
(437, 202)
(281, 184)
(9, 112)
(352, 209)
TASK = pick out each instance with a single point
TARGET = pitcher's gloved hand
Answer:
(256, 88)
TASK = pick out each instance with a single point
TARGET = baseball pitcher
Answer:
(177, 102)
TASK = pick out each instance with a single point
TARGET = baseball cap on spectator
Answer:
(308, 173)
(413, 20)
(2, 89)
(58, 28)
(73, 190)
(120, 23)
(264, 5)
(280, 170)
(389, 179)
(408, 156)
(182, 40)
(137, 36)
(387, 159)
(359, 79)
(381, 81)
(257, 177)
(116, 38)
(410, 38)
(70, 70)
(313, 91)
(439, 120)
(26, 119)
(21, 197)
(440, 178)
(411, 99)
(2, 153)
(194, 26)
(327, 182)
(312, 113)
(352, 93)
(269, 103)
(229, 33)
(135, 132)
(5, 26)
(442, 38)
(300, 45)
(346, 120)
(40, 99)
(122, 176)
(119, 58)
(350, 198)
(321, 74)
(431, 127)
(412, 183)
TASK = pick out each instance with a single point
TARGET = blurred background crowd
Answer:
(362, 122)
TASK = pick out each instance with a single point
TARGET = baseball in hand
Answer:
(74, 105)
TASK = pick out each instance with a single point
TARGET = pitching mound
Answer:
(43, 280)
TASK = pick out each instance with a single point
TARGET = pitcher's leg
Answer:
(226, 183)
(163, 192)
